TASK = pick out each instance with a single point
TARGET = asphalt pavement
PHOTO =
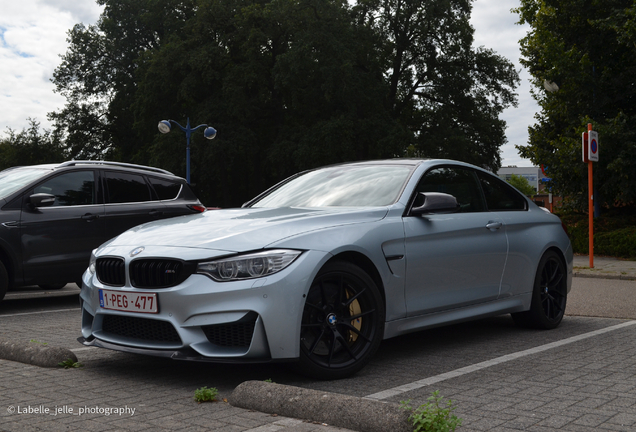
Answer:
(579, 377)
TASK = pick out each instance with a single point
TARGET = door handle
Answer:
(155, 213)
(88, 217)
(492, 225)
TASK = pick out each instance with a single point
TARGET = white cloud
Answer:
(495, 28)
(32, 38)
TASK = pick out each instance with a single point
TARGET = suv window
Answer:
(126, 188)
(165, 189)
(73, 188)
(456, 181)
(499, 195)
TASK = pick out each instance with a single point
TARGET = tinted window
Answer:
(499, 195)
(73, 188)
(165, 189)
(124, 188)
(458, 182)
(355, 186)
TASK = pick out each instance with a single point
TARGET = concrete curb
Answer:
(603, 276)
(334, 409)
(34, 353)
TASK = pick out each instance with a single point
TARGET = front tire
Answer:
(549, 295)
(342, 324)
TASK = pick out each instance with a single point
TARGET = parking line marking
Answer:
(33, 313)
(385, 394)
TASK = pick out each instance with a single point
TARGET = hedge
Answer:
(614, 234)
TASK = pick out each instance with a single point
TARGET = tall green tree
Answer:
(31, 146)
(587, 49)
(446, 92)
(288, 84)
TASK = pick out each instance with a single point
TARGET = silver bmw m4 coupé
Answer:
(323, 266)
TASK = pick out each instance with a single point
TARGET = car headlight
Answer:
(91, 263)
(248, 266)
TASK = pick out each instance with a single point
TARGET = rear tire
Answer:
(549, 295)
(342, 324)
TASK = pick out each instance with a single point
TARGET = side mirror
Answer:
(435, 202)
(41, 200)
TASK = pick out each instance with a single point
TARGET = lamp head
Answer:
(209, 132)
(164, 126)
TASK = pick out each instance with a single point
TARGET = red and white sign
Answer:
(592, 146)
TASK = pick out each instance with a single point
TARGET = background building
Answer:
(536, 179)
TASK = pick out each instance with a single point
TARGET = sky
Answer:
(33, 37)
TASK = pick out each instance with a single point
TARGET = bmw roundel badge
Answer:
(137, 251)
(331, 319)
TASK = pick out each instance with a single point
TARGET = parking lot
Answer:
(578, 377)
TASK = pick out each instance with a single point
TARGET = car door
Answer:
(129, 202)
(512, 208)
(457, 259)
(57, 240)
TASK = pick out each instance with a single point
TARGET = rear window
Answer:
(499, 195)
(165, 189)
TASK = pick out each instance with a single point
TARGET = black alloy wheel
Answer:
(549, 295)
(342, 324)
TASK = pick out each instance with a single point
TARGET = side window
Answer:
(456, 181)
(165, 189)
(70, 189)
(126, 188)
(499, 195)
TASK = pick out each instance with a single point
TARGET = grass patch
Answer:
(205, 394)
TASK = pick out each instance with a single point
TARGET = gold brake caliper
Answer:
(354, 309)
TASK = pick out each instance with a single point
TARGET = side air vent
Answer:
(236, 334)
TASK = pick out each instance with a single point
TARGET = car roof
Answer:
(396, 161)
(407, 162)
(119, 165)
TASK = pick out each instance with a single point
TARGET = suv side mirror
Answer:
(435, 202)
(41, 200)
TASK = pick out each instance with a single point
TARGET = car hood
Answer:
(240, 230)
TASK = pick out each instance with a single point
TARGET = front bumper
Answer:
(182, 354)
(255, 320)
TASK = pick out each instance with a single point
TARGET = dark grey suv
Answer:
(53, 216)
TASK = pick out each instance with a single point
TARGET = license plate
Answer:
(128, 301)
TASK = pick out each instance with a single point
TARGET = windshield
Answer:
(344, 186)
(13, 179)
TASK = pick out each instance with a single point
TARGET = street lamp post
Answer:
(209, 132)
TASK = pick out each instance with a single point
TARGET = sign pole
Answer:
(590, 194)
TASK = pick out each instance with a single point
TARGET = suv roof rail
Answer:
(121, 164)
